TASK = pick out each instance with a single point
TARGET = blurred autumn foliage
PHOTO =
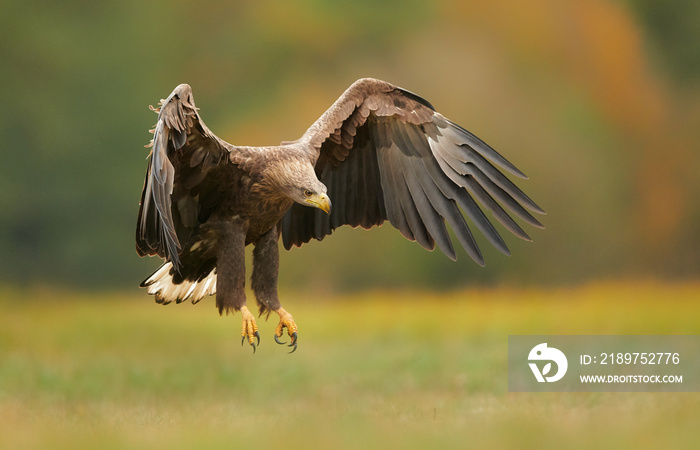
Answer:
(597, 101)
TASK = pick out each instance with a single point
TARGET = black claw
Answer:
(257, 335)
(293, 343)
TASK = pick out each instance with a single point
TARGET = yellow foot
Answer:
(286, 321)
(250, 328)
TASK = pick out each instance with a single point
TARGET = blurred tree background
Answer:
(597, 101)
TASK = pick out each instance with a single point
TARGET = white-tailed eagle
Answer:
(378, 153)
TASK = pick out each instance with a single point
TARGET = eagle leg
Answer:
(286, 321)
(249, 328)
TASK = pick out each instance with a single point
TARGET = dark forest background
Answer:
(597, 101)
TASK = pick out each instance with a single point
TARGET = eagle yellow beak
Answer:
(320, 201)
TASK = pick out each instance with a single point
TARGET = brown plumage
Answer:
(378, 153)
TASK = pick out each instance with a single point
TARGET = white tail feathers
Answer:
(161, 285)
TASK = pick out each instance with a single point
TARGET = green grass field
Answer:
(375, 370)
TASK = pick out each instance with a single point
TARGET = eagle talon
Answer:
(293, 343)
(286, 321)
(257, 336)
(249, 329)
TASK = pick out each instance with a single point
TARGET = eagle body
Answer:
(379, 153)
(213, 224)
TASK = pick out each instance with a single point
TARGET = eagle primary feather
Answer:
(378, 153)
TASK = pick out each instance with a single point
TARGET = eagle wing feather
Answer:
(385, 154)
(184, 152)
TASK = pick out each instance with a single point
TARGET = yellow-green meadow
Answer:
(373, 370)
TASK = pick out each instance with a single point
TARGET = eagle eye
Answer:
(307, 193)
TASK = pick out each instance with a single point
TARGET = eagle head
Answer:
(298, 181)
(309, 191)
(317, 199)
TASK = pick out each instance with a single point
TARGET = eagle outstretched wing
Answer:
(384, 153)
(184, 157)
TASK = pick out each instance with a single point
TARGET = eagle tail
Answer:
(168, 285)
